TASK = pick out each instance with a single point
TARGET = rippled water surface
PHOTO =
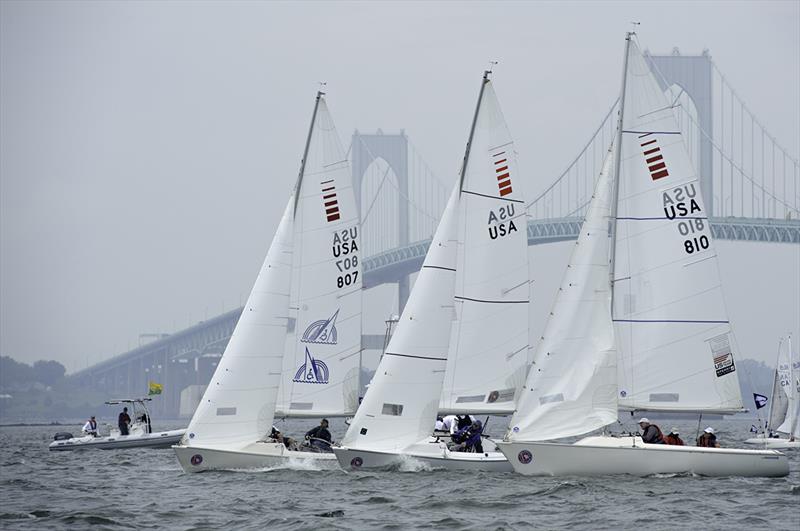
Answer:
(147, 489)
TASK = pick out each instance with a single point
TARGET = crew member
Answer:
(673, 438)
(651, 433)
(450, 424)
(708, 439)
(90, 428)
(123, 421)
(320, 437)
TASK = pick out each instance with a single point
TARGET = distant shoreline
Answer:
(31, 424)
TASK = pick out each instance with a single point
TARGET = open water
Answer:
(148, 489)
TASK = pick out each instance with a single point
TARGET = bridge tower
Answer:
(393, 149)
(695, 75)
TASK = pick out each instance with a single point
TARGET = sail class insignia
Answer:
(322, 331)
(312, 371)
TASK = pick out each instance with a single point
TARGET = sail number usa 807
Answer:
(344, 249)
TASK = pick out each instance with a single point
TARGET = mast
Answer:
(617, 158)
(305, 152)
(472, 129)
(795, 390)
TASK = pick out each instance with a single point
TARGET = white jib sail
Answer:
(675, 351)
(399, 408)
(489, 352)
(572, 385)
(238, 404)
(320, 371)
(787, 391)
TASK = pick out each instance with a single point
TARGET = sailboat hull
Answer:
(257, 455)
(421, 459)
(773, 443)
(601, 456)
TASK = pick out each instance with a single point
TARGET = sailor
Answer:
(450, 424)
(278, 437)
(464, 421)
(468, 439)
(123, 421)
(90, 428)
(673, 438)
(708, 439)
(439, 424)
(320, 437)
(651, 433)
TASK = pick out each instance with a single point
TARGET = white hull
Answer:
(600, 456)
(773, 443)
(164, 439)
(256, 455)
(421, 456)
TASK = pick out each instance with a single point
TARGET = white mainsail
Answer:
(784, 411)
(572, 385)
(322, 362)
(238, 404)
(401, 402)
(675, 350)
(489, 353)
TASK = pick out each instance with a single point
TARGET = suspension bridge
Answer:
(750, 183)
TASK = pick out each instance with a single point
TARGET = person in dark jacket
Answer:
(468, 439)
(320, 437)
(651, 434)
(123, 421)
(707, 439)
(673, 438)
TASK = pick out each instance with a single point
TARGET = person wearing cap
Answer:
(90, 428)
(708, 439)
(320, 437)
(673, 438)
(651, 433)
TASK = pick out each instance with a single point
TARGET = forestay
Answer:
(401, 402)
(675, 349)
(238, 404)
(572, 385)
(321, 366)
(489, 353)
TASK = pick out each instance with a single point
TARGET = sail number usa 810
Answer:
(680, 203)
(344, 249)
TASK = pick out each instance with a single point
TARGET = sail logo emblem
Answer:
(724, 364)
(329, 200)
(653, 158)
(322, 331)
(503, 175)
(312, 371)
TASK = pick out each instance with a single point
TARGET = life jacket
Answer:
(707, 442)
(673, 440)
(659, 436)
(93, 425)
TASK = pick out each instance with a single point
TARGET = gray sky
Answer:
(146, 149)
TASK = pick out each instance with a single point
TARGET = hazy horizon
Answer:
(147, 149)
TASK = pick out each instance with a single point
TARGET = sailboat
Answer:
(461, 344)
(784, 410)
(296, 347)
(670, 328)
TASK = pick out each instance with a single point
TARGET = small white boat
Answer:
(784, 409)
(461, 344)
(295, 351)
(665, 345)
(140, 433)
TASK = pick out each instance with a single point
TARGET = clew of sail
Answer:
(238, 404)
(489, 351)
(673, 335)
(323, 346)
(572, 385)
(401, 402)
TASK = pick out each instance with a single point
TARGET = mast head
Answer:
(488, 71)
(320, 92)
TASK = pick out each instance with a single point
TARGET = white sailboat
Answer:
(784, 409)
(461, 345)
(670, 326)
(295, 349)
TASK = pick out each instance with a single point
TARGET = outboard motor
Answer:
(62, 436)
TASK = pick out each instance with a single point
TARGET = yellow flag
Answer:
(155, 388)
